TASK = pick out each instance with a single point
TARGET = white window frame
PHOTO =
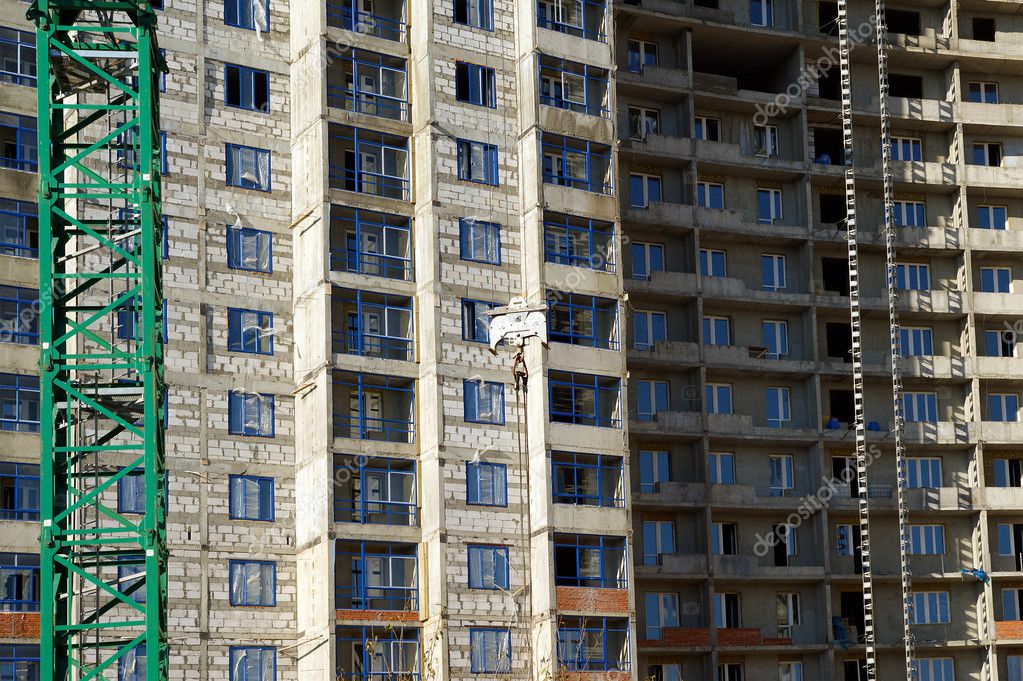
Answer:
(781, 337)
(776, 203)
(994, 276)
(712, 338)
(936, 668)
(767, 10)
(765, 141)
(790, 671)
(990, 210)
(645, 47)
(777, 270)
(922, 269)
(909, 208)
(923, 464)
(985, 87)
(715, 467)
(706, 193)
(648, 317)
(720, 598)
(911, 406)
(928, 610)
(790, 601)
(783, 463)
(925, 540)
(717, 539)
(897, 149)
(646, 247)
(643, 117)
(646, 177)
(784, 404)
(915, 336)
(704, 125)
(707, 254)
(667, 604)
(1005, 398)
(987, 153)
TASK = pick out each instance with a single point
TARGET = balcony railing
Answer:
(378, 408)
(379, 491)
(346, 15)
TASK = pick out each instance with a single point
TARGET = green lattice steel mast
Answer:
(101, 362)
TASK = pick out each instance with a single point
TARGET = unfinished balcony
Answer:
(376, 577)
(370, 324)
(594, 644)
(580, 327)
(375, 491)
(587, 480)
(374, 407)
(384, 19)
(368, 162)
(368, 83)
(370, 243)
(573, 86)
(378, 653)
(575, 163)
(590, 573)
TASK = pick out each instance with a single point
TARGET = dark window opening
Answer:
(828, 147)
(839, 340)
(842, 405)
(830, 84)
(903, 21)
(712, 4)
(827, 17)
(984, 29)
(832, 210)
(901, 85)
(835, 273)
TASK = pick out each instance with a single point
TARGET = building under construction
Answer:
(774, 433)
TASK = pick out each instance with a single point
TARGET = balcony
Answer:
(375, 491)
(587, 480)
(573, 86)
(378, 653)
(585, 399)
(671, 494)
(667, 284)
(375, 576)
(753, 567)
(656, 82)
(587, 321)
(374, 407)
(368, 83)
(594, 644)
(576, 164)
(370, 243)
(369, 162)
(590, 561)
(586, 19)
(385, 21)
(676, 566)
(372, 324)
(1004, 240)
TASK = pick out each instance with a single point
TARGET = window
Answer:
(661, 612)
(779, 408)
(19, 578)
(648, 329)
(250, 331)
(579, 242)
(19, 492)
(1008, 472)
(654, 468)
(906, 149)
(577, 163)
(593, 644)
(730, 671)
(253, 583)
(769, 208)
(983, 93)
(926, 540)
(483, 402)
(252, 498)
(1014, 665)
(987, 154)
(489, 650)
(920, 407)
(1012, 605)
(249, 249)
(19, 319)
(19, 228)
(644, 189)
(992, 217)
(19, 400)
(658, 540)
(765, 140)
(132, 665)
(996, 279)
(584, 399)
(18, 143)
(788, 612)
(923, 472)
(18, 59)
(761, 12)
(651, 398)
(937, 669)
(477, 162)
(480, 241)
(246, 88)
(781, 470)
(573, 86)
(131, 493)
(588, 479)
(247, 167)
(487, 484)
(718, 397)
(772, 272)
(916, 341)
(253, 664)
(912, 276)
(999, 343)
(727, 611)
(724, 539)
(250, 414)
(643, 122)
(706, 128)
(590, 561)
(790, 671)
(131, 572)
(476, 321)
(716, 330)
(713, 263)
(380, 576)
(369, 162)
(670, 671)
(579, 319)
(721, 468)
(710, 195)
(930, 607)
(641, 54)
(21, 662)
(775, 336)
(910, 213)
(475, 84)
(647, 258)
(1003, 407)
(475, 13)
(488, 567)
(250, 14)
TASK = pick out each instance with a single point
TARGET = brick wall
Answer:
(581, 599)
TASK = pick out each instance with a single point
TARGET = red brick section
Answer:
(19, 625)
(686, 637)
(1009, 630)
(377, 615)
(583, 599)
(748, 637)
(593, 676)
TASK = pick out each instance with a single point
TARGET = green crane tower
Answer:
(102, 476)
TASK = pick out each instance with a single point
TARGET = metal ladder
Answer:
(856, 331)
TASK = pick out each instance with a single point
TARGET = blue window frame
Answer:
(713, 263)
(375, 84)
(19, 492)
(19, 575)
(128, 321)
(245, 14)
(131, 493)
(369, 162)
(370, 243)
(995, 279)
(349, 15)
(590, 560)
(584, 399)
(992, 217)
(475, 84)
(246, 88)
(19, 662)
(374, 407)
(579, 242)
(253, 582)
(19, 228)
(251, 498)
(132, 665)
(593, 644)
(378, 654)
(250, 331)
(253, 663)
(581, 18)
(654, 468)
(489, 650)
(382, 576)
(250, 249)
(587, 479)
(375, 325)
(582, 320)
(19, 150)
(17, 57)
(488, 567)
(19, 401)
(477, 162)
(479, 241)
(573, 86)
(19, 319)
(247, 167)
(483, 402)
(577, 163)
(476, 321)
(131, 574)
(475, 13)
(380, 491)
(486, 484)
(250, 414)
